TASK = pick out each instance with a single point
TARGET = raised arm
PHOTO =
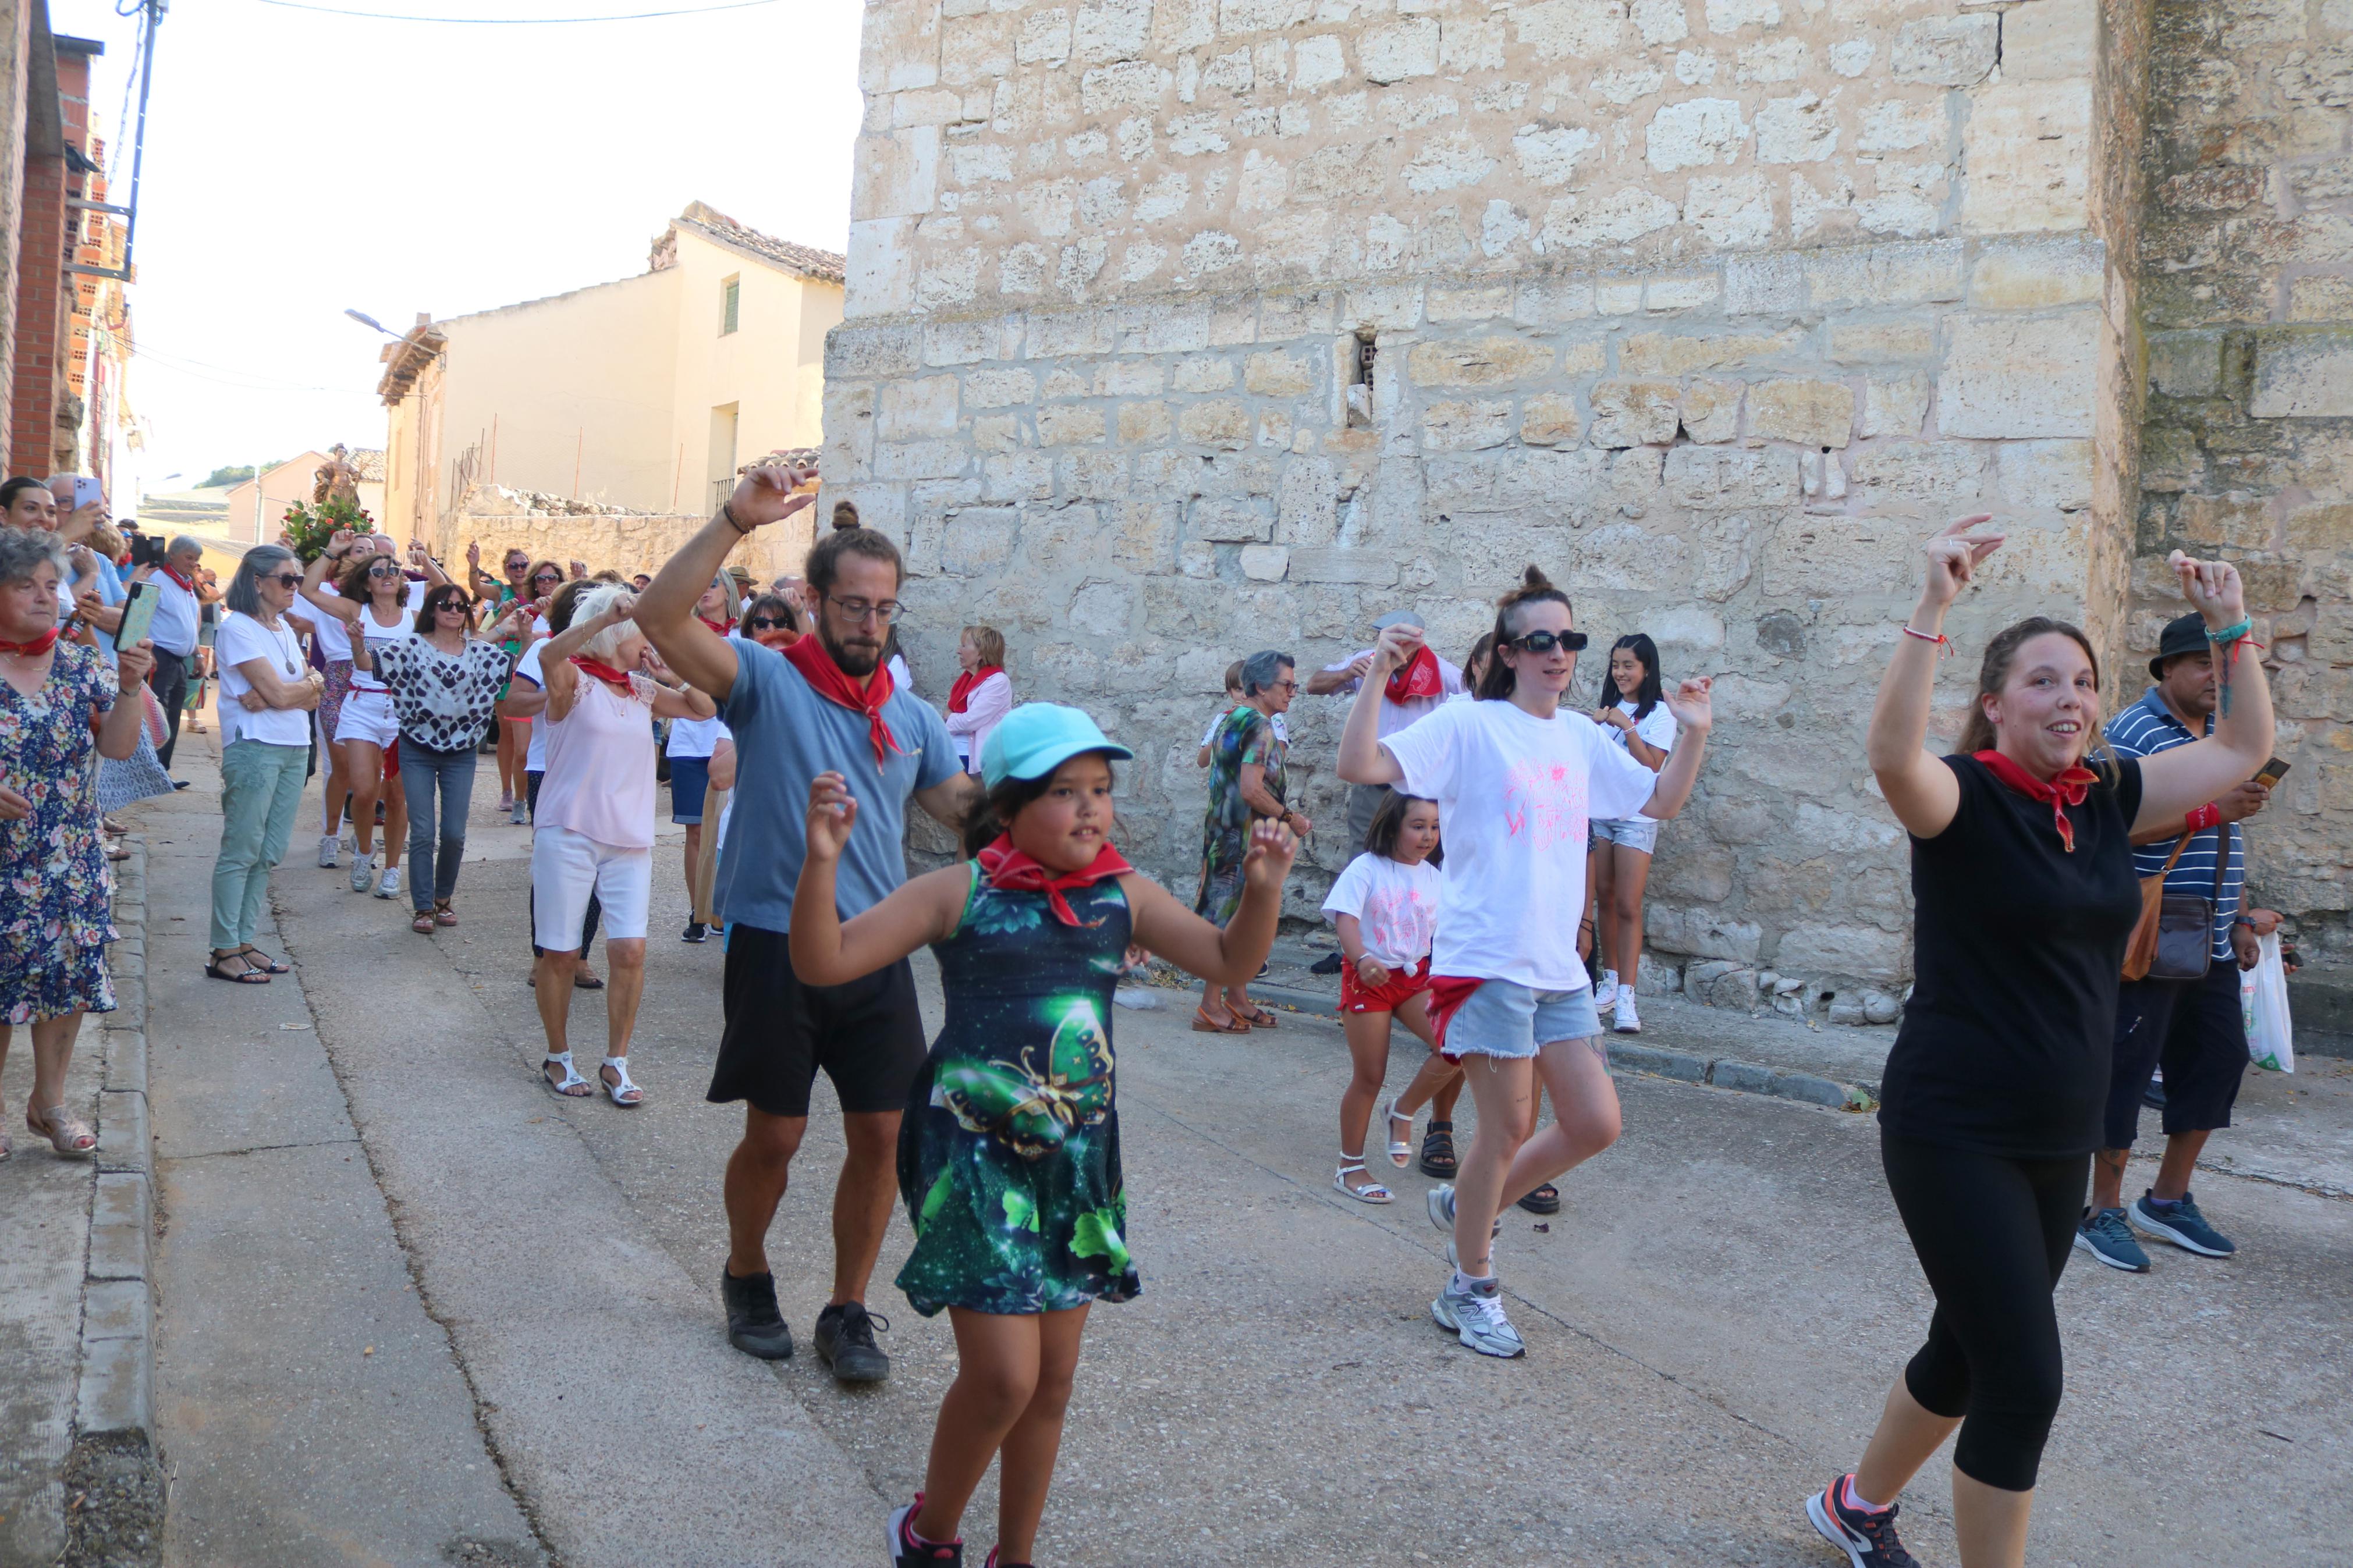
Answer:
(2175, 783)
(118, 732)
(1325, 682)
(1921, 788)
(665, 611)
(824, 950)
(1694, 709)
(422, 560)
(1229, 957)
(1362, 758)
(347, 611)
(558, 674)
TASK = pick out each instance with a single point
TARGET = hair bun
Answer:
(845, 514)
(1534, 578)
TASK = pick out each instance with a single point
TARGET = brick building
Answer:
(44, 143)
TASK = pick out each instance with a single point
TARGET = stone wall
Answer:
(499, 519)
(2247, 288)
(1714, 310)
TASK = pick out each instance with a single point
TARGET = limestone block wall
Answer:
(1183, 329)
(2247, 284)
(627, 542)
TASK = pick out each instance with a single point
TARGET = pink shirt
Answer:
(600, 766)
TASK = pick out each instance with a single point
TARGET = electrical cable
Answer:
(516, 21)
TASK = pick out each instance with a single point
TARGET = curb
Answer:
(1684, 1066)
(113, 1474)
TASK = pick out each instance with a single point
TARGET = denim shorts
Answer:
(1503, 1018)
(1633, 832)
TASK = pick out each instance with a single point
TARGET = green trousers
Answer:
(261, 786)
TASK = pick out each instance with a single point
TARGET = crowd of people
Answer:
(1498, 838)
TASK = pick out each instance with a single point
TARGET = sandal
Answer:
(571, 1085)
(1438, 1152)
(1400, 1149)
(262, 960)
(1205, 1025)
(624, 1094)
(1370, 1193)
(1256, 1017)
(443, 915)
(246, 976)
(1544, 1199)
(583, 980)
(67, 1135)
(423, 924)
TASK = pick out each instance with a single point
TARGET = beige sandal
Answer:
(67, 1134)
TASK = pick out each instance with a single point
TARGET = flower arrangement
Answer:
(309, 528)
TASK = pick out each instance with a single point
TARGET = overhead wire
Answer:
(517, 21)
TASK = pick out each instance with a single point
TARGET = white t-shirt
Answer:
(177, 615)
(1657, 730)
(1395, 715)
(534, 758)
(697, 737)
(1517, 795)
(238, 639)
(1281, 731)
(900, 679)
(1395, 907)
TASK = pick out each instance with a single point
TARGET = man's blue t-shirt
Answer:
(785, 735)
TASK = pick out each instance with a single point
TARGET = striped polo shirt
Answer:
(2143, 730)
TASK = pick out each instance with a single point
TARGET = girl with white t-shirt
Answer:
(1517, 782)
(1637, 717)
(1386, 906)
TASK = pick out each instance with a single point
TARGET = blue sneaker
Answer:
(2105, 1237)
(2181, 1225)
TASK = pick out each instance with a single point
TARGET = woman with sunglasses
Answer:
(1516, 780)
(528, 618)
(267, 698)
(443, 683)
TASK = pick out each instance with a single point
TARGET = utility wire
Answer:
(516, 21)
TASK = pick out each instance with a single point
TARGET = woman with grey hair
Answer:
(444, 682)
(54, 923)
(1246, 783)
(267, 698)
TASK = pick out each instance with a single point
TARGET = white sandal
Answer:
(1370, 1193)
(571, 1078)
(1401, 1150)
(621, 1066)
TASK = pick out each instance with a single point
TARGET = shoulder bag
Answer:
(2174, 938)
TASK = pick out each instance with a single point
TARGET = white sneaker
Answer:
(1605, 991)
(521, 815)
(1477, 1318)
(389, 885)
(1629, 1021)
(328, 845)
(362, 868)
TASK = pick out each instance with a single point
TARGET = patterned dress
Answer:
(54, 921)
(1241, 738)
(1008, 1157)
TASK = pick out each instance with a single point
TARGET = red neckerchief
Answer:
(165, 567)
(617, 679)
(721, 628)
(35, 648)
(961, 692)
(1010, 868)
(1416, 677)
(2067, 789)
(1447, 994)
(815, 661)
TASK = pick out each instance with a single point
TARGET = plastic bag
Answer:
(2263, 1001)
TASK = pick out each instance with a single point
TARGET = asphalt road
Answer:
(1713, 1319)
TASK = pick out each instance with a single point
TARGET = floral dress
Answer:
(54, 920)
(1241, 738)
(1009, 1156)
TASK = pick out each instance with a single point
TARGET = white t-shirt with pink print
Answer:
(1517, 795)
(1396, 906)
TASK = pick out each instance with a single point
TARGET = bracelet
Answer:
(2203, 817)
(727, 511)
(2232, 633)
(1939, 638)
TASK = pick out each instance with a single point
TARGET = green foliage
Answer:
(309, 528)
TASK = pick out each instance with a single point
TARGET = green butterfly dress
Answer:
(1008, 1157)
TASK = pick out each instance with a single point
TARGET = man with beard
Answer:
(824, 704)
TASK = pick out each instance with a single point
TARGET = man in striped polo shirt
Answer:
(2191, 1027)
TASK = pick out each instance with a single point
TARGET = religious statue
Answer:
(338, 479)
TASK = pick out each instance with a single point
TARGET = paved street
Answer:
(416, 1309)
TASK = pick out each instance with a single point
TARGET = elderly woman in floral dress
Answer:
(53, 918)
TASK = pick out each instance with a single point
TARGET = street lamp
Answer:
(364, 319)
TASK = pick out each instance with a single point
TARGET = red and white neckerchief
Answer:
(33, 647)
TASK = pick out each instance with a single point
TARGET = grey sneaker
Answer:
(845, 1342)
(363, 867)
(2105, 1237)
(520, 814)
(390, 886)
(1440, 1202)
(1476, 1316)
(2180, 1224)
(328, 843)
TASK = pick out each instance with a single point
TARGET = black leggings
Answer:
(1992, 1235)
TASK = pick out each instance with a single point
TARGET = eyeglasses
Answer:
(549, 577)
(768, 624)
(286, 579)
(1545, 642)
(886, 612)
(1284, 686)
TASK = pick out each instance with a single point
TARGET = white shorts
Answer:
(367, 716)
(566, 866)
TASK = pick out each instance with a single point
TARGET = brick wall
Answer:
(40, 318)
(2247, 288)
(16, 52)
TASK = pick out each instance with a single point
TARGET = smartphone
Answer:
(2268, 775)
(138, 613)
(75, 491)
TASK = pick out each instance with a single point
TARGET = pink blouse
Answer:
(600, 766)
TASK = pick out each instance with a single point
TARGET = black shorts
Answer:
(2193, 1029)
(868, 1036)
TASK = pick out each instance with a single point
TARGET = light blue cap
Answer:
(1036, 737)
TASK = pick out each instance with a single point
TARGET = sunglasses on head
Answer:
(1545, 642)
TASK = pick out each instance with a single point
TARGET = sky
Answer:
(299, 164)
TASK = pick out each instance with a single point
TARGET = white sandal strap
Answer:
(621, 1066)
(571, 1074)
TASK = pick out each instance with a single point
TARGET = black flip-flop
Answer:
(587, 982)
(1438, 1152)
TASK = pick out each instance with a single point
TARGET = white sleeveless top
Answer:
(403, 629)
(600, 766)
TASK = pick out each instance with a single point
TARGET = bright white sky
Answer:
(298, 163)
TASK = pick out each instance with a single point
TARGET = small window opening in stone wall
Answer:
(731, 292)
(1360, 379)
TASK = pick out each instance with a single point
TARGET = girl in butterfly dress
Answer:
(1008, 1155)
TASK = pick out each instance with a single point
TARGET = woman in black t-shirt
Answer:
(2024, 893)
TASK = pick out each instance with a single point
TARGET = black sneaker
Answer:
(1867, 1539)
(906, 1552)
(1328, 964)
(845, 1341)
(695, 931)
(754, 1324)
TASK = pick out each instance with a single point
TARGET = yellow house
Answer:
(638, 394)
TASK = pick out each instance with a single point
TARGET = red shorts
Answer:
(392, 759)
(1403, 986)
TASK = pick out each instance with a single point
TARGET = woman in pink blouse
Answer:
(983, 694)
